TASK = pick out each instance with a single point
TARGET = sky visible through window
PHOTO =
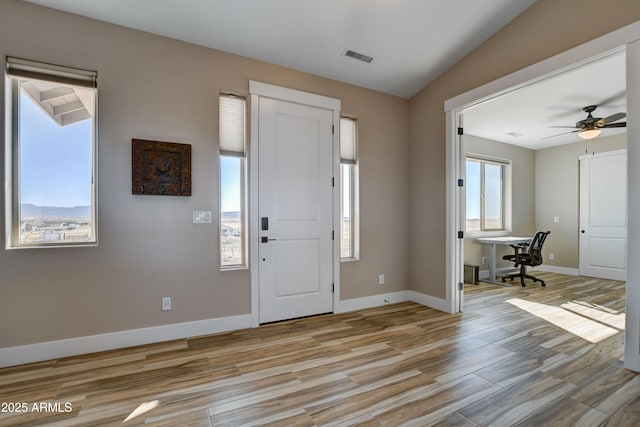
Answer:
(473, 190)
(55, 161)
(230, 175)
(492, 192)
(346, 191)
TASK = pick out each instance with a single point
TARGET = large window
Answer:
(348, 189)
(51, 191)
(486, 194)
(232, 181)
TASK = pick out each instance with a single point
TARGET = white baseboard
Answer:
(484, 274)
(558, 270)
(354, 304)
(30, 353)
(429, 301)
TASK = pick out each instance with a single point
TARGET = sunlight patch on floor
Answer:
(141, 409)
(576, 318)
(596, 312)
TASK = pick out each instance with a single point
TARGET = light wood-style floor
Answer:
(533, 356)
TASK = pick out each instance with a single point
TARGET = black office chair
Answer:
(527, 254)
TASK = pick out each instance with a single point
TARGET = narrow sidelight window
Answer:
(349, 208)
(232, 182)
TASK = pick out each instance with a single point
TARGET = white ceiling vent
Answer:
(359, 56)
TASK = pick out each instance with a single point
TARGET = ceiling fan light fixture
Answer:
(590, 133)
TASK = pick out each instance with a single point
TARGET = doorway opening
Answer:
(618, 42)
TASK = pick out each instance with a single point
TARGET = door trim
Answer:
(259, 90)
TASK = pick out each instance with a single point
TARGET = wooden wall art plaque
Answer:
(160, 168)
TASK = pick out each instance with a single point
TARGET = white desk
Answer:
(493, 241)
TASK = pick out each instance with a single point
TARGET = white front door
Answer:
(295, 208)
(603, 215)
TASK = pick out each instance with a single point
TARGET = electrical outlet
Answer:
(484, 260)
(381, 279)
(166, 303)
(552, 256)
(556, 219)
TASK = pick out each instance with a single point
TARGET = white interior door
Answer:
(295, 205)
(603, 215)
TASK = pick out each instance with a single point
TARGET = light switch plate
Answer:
(202, 217)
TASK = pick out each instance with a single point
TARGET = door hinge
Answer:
(333, 235)
(460, 286)
(460, 131)
(460, 234)
(333, 287)
(333, 182)
(333, 129)
(461, 183)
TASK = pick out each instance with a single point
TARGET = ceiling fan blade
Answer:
(615, 125)
(611, 118)
(565, 133)
(614, 97)
(563, 127)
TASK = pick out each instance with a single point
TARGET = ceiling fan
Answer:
(591, 127)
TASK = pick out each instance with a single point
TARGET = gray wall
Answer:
(557, 192)
(156, 88)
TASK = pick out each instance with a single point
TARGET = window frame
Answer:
(26, 71)
(506, 196)
(242, 156)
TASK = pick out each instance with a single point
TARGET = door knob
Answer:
(582, 231)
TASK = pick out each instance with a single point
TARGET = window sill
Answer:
(52, 246)
(233, 267)
(350, 259)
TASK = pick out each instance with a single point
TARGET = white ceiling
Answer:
(412, 41)
(555, 101)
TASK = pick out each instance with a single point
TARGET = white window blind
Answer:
(347, 140)
(232, 127)
(25, 69)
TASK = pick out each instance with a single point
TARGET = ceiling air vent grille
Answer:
(515, 134)
(359, 56)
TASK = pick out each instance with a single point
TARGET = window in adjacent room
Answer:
(51, 122)
(232, 181)
(487, 196)
(349, 189)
